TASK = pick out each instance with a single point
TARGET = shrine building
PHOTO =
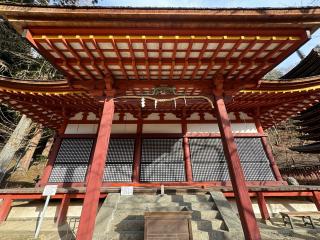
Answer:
(161, 98)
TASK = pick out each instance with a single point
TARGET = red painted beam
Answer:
(316, 199)
(263, 206)
(268, 151)
(5, 208)
(244, 205)
(63, 209)
(137, 153)
(91, 200)
(288, 194)
(192, 184)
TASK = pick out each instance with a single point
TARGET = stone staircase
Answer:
(122, 217)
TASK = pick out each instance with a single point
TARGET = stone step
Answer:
(216, 235)
(205, 225)
(164, 198)
(127, 225)
(138, 225)
(123, 235)
(139, 215)
(166, 205)
(205, 215)
(201, 235)
(198, 198)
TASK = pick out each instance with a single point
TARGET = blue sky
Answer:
(285, 66)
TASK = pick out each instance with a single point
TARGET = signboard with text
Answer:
(126, 191)
(50, 190)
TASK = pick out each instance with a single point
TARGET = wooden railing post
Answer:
(316, 199)
(5, 208)
(63, 209)
(263, 206)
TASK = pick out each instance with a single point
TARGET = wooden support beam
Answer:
(5, 208)
(186, 150)
(263, 206)
(91, 200)
(268, 151)
(316, 199)
(63, 209)
(244, 205)
(137, 153)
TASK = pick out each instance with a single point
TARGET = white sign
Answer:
(50, 190)
(126, 191)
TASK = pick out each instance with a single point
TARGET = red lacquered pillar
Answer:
(91, 199)
(244, 205)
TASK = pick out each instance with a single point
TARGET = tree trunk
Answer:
(48, 147)
(14, 144)
(25, 161)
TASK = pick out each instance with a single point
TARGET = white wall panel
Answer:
(124, 128)
(161, 128)
(231, 116)
(92, 116)
(116, 116)
(81, 129)
(208, 116)
(170, 116)
(213, 128)
(153, 116)
(243, 128)
(203, 128)
(129, 116)
(244, 116)
(276, 205)
(77, 116)
(194, 116)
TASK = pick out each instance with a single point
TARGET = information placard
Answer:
(127, 191)
(50, 190)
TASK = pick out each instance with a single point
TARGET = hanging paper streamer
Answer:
(143, 102)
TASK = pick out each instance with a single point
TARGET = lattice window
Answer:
(68, 173)
(119, 161)
(209, 163)
(72, 160)
(207, 159)
(254, 160)
(162, 161)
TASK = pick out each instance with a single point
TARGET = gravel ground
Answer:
(276, 230)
